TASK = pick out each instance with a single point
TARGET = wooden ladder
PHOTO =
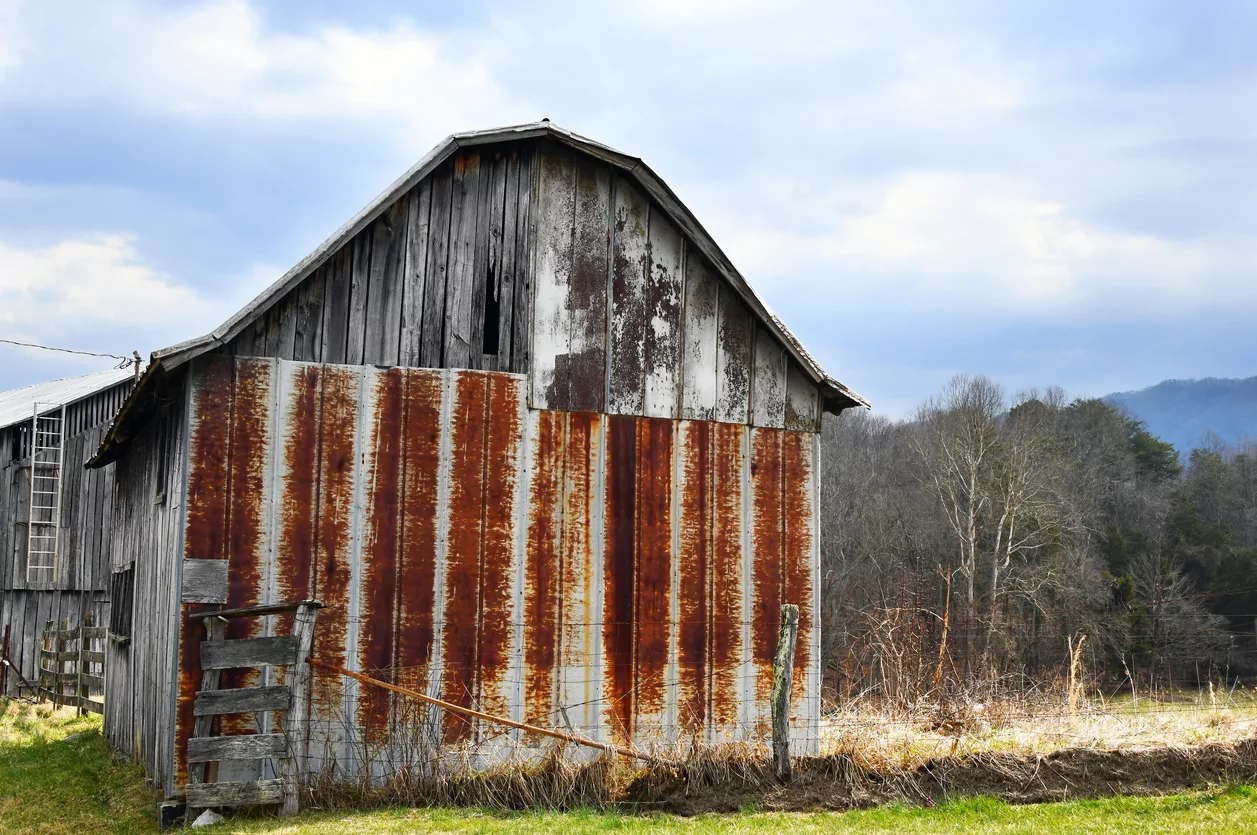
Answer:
(287, 748)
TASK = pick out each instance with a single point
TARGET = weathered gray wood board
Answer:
(249, 652)
(242, 700)
(253, 793)
(204, 581)
(252, 747)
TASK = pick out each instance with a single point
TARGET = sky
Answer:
(1058, 193)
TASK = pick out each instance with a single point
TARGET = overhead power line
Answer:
(126, 360)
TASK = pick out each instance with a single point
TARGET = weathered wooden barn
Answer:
(525, 432)
(54, 538)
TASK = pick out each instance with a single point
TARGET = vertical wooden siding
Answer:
(439, 277)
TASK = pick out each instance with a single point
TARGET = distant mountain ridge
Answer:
(1183, 412)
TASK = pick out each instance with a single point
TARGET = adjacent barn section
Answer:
(54, 558)
(528, 437)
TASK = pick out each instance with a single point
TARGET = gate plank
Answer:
(249, 652)
(259, 793)
(242, 700)
(251, 747)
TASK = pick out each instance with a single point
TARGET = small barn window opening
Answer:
(44, 528)
(121, 595)
(492, 315)
(164, 444)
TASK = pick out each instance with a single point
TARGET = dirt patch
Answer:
(838, 782)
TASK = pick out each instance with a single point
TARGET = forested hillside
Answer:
(1188, 412)
(979, 541)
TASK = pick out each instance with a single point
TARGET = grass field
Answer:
(56, 776)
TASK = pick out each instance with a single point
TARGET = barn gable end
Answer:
(536, 257)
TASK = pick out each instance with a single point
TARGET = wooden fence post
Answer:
(783, 680)
(4, 657)
(297, 677)
(62, 650)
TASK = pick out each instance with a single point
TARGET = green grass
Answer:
(1225, 810)
(57, 776)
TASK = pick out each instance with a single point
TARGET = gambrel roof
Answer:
(654, 187)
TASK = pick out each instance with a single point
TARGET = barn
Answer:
(55, 560)
(525, 433)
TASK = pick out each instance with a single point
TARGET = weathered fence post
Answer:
(783, 680)
(4, 659)
(297, 678)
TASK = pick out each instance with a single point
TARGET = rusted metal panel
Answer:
(620, 576)
(337, 441)
(630, 265)
(541, 563)
(248, 531)
(799, 549)
(503, 443)
(420, 498)
(653, 577)
(728, 568)
(694, 584)
(766, 566)
(383, 482)
(579, 680)
(463, 577)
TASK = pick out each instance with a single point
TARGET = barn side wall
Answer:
(82, 582)
(618, 575)
(147, 537)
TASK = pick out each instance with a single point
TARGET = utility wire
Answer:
(67, 350)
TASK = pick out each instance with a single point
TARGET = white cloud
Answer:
(98, 283)
(964, 240)
(220, 60)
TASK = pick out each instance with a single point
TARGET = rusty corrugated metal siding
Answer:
(618, 575)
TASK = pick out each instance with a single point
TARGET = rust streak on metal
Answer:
(654, 564)
(206, 527)
(207, 472)
(577, 596)
(502, 449)
(726, 616)
(419, 536)
(299, 496)
(798, 513)
(375, 641)
(191, 633)
(462, 589)
(694, 559)
(249, 436)
(766, 535)
(337, 432)
(618, 572)
(541, 570)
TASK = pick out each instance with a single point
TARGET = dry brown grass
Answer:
(897, 740)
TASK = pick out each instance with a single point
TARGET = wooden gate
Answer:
(286, 748)
(72, 665)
